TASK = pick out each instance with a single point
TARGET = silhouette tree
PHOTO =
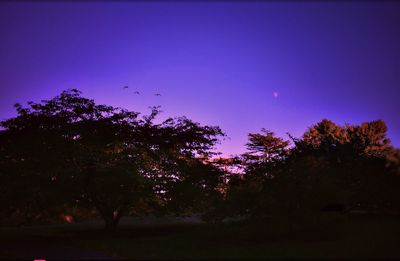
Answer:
(350, 164)
(330, 165)
(184, 178)
(265, 152)
(246, 194)
(72, 151)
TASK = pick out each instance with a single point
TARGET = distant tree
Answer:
(246, 193)
(369, 139)
(330, 165)
(265, 151)
(352, 162)
(325, 137)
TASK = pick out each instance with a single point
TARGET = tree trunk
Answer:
(111, 220)
(111, 224)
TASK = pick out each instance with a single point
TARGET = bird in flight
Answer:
(157, 94)
(125, 87)
(136, 92)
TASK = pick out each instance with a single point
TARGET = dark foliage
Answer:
(348, 167)
(71, 155)
(69, 151)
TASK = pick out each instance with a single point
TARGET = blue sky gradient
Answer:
(217, 63)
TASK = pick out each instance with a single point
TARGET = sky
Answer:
(240, 65)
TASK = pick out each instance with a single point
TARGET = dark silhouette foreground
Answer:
(69, 156)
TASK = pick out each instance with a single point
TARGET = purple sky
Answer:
(242, 66)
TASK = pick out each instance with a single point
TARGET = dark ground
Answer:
(330, 236)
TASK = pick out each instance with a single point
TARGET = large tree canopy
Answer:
(70, 150)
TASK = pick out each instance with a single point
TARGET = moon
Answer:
(275, 94)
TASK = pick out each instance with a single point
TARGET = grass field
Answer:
(327, 237)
